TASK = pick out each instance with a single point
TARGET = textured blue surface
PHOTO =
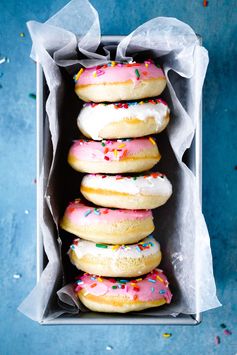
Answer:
(20, 335)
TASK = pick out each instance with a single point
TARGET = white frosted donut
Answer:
(124, 119)
(113, 157)
(117, 82)
(102, 294)
(105, 225)
(116, 260)
(139, 192)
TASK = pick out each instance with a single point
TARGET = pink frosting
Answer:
(79, 213)
(109, 150)
(119, 73)
(151, 287)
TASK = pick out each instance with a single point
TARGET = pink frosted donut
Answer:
(113, 157)
(115, 82)
(104, 225)
(101, 294)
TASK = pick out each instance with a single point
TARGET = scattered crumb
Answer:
(167, 335)
(3, 60)
(26, 212)
(217, 340)
(32, 95)
(109, 347)
(17, 276)
(227, 332)
(22, 34)
(222, 325)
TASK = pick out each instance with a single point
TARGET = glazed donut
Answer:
(113, 157)
(111, 295)
(104, 225)
(116, 260)
(141, 192)
(125, 119)
(116, 82)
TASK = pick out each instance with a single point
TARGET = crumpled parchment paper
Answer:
(70, 39)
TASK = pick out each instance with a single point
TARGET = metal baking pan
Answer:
(193, 158)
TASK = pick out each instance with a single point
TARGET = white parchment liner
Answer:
(59, 43)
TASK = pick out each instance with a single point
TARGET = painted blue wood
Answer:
(19, 335)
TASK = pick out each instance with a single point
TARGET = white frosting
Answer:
(85, 247)
(145, 186)
(92, 119)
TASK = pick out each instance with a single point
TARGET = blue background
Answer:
(19, 335)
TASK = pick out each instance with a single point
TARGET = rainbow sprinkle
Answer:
(101, 246)
(137, 74)
(97, 211)
(87, 213)
(159, 278)
(115, 247)
(152, 141)
(77, 76)
(151, 280)
(99, 72)
(123, 281)
(79, 282)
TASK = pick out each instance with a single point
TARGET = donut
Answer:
(116, 260)
(104, 225)
(138, 192)
(112, 295)
(113, 157)
(125, 119)
(120, 81)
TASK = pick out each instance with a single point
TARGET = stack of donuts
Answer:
(113, 224)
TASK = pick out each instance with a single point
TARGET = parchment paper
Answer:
(61, 45)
